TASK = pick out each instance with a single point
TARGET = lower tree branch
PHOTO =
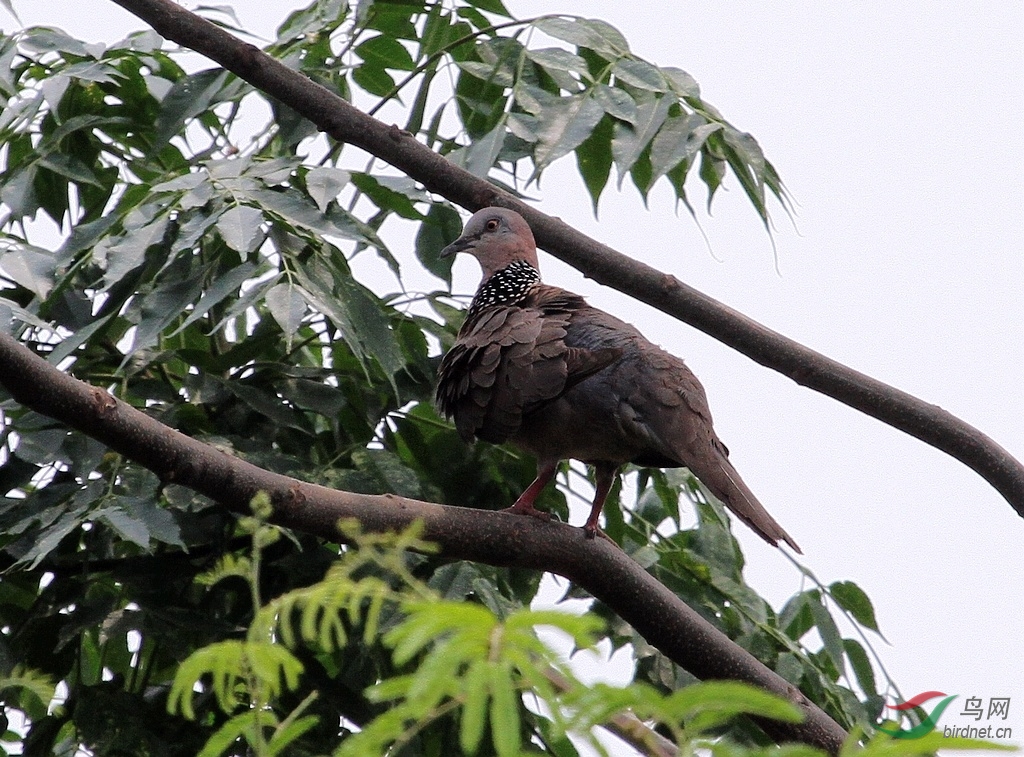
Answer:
(465, 534)
(340, 119)
(627, 727)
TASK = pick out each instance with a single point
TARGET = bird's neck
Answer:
(505, 287)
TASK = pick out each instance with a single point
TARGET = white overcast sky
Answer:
(898, 129)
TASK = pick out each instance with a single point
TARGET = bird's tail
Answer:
(736, 495)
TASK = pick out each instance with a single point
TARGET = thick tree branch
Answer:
(465, 534)
(337, 117)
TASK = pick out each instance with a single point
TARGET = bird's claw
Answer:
(592, 530)
(527, 509)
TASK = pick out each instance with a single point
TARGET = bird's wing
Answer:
(674, 410)
(508, 362)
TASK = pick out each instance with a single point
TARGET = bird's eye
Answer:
(491, 225)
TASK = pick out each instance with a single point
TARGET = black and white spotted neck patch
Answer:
(506, 287)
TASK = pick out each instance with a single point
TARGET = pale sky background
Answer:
(897, 127)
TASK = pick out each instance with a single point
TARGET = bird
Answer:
(537, 366)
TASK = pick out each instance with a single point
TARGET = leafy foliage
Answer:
(159, 240)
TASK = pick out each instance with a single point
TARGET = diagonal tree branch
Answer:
(340, 119)
(482, 536)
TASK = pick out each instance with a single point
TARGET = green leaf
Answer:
(50, 539)
(504, 711)
(564, 126)
(493, 73)
(596, 35)
(474, 708)
(188, 98)
(318, 18)
(224, 286)
(289, 732)
(393, 476)
(70, 167)
(158, 521)
(394, 19)
(225, 736)
(288, 306)
(795, 618)
(491, 6)
(19, 194)
(556, 60)
(42, 39)
(594, 160)
(264, 403)
(57, 139)
(747, 161)
(826, 626)
(100, 72)
(556, 740)
(616, 102)
(682, 83)
(355, 312)
(128, 527)
(852, 598)
(158, 309)
(641, 174)
(35, 689)
(440, 228)
(373, 79)
(299, 211)
(239, 227)
(438, 32)
(324, 183)
(385, 52)
(129, 252)
(712, 171)
(314, 396)
(479, 157)
(640, 74)
(861, 666)
(630, 141)
(707, 705)
(30, 267)
(181, 183)
(679, 139)
(523, 126)
(391, 193)
(371, 326)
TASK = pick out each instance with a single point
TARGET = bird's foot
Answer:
(592, 530)
(527, 508)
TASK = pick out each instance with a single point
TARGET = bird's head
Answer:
(496, 237)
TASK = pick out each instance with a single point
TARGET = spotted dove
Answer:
(537, 366)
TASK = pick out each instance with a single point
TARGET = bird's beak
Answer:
(459, 245)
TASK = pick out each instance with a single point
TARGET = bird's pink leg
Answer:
(604, 476)
(524, 505)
